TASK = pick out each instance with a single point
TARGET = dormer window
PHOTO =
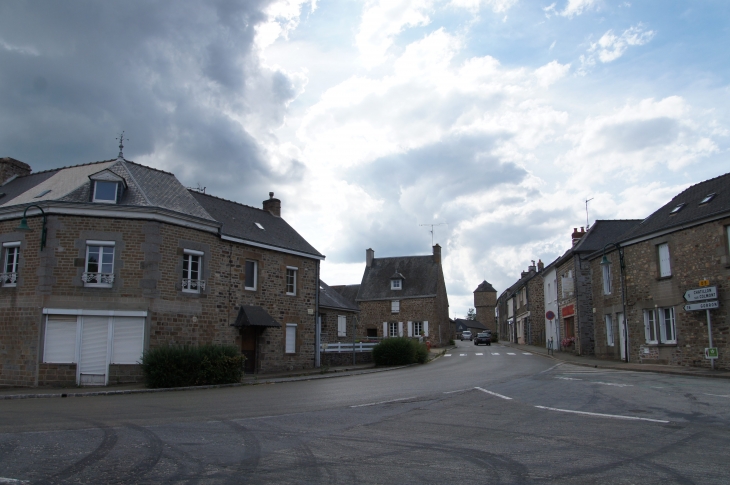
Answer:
(106, 187)
(105, 192)
(396, 284)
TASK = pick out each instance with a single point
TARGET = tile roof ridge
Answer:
(702, 182)
(226, 200)
(401, 257)
(58, 169)
(123, 163)
(147, 167)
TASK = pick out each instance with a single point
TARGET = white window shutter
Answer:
(400, 329)
(664, 266)
(425, 329)
(410, 329)
(341, 325)
(291, 338)
(128, 340)
(60, 341)
(385, 329)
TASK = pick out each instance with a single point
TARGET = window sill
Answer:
(98, 285)
(250, 289)
(661, 278)
(291, 294)
(647, 344)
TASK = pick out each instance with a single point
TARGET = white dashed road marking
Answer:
(494, 393)
(495, 353)
(526, 353)
(462, 355)
(615, 416)
(511, 353)
(478, 353)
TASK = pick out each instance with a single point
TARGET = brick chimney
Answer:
(10, 167)
(540, 265)
(577, 235)
(369, 256)
(437, 254)
(273, 205)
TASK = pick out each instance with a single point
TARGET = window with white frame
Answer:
(417, 329)
(665, 268)
(251, 270)
(341, 326)
(606, 279)
(105, 192)
(609, 330)
(667, 326)
(396, 284)
(394, 306)
(291, 280)
(650, 327)
(566, 283)
(291, 338)
(393, 329)
(192, 271)
(99, 264)
(9, 276)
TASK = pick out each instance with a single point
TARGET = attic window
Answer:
(105, 192)
(259, 226)
(678, 208)
(42, 193)
(396, 284)
(708, 198)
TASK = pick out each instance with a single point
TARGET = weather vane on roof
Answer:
(121, 144)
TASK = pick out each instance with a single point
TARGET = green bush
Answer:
(400, 351)
(182, 366)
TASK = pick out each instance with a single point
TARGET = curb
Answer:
(275, 380)
(676, 372)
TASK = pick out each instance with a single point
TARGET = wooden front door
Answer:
(249, 336)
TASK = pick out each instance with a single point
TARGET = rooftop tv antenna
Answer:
(432, 225)
(588, 200)
(121, 144)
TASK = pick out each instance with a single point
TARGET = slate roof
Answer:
(329, 298)
(484, 286)
(240, 220)
(420, 278)
(464, 323)
(693, 211)
(347, 291)
(601, 233)
(254, 316)
(146, 187)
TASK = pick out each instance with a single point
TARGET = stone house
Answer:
(575, 297)
(462, 324)
(485, 302)
(682, 246)
(517, 307)
(338, 320)
(405, 296)
(118, 258)
(552, 310)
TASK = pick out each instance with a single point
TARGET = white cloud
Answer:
(551, 72)
(282, 17)
(577, 7)
(610, 46)
(497, 6)
(25, 50)
(382, 20)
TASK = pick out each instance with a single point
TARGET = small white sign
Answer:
(699, 294)
(705, 305)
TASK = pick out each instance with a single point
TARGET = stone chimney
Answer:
(437, 254)
(532, 268)
(577, 235)
(10, 167)
(540, 266)
(369, 256)
(273, 205)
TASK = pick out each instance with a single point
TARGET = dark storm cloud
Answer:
(75, 74)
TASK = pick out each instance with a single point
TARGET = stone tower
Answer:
(485, 301)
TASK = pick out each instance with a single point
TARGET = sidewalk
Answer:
(595, 362)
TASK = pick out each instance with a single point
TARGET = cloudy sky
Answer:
(494, 118)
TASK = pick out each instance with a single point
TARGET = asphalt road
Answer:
(479, 415)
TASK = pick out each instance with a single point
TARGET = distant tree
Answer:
(471, 314)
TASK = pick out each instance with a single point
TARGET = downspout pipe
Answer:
(317, 321)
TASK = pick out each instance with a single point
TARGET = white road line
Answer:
(495, 353)
(447, 355)
(382, 402)
(460, 390)
(569, 378)
(12, 480)
(553, 367)
(612, 384)
(479, 353)
(526, 353)
(718, 395)
(615, 416)
(462, 355)
(511, 353)
(494, 393)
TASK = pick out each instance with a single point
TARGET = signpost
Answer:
(699, 294)
(705, 305)
(706, 292)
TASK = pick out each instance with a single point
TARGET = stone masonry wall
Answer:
(374, 313)
(536, 304)
(607, 304)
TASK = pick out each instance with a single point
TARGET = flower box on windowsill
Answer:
(193, 286)
(100, 280)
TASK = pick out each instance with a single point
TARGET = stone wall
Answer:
(148, 277)
(536, 305)
(374, 313)
(485, 303)
(607, 304)
(332, 359)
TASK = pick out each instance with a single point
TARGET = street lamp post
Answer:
(622, 266)
(23, 226)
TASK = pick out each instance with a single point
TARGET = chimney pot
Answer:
(540, 265)
(437, 254)
(369, 256)
(272, 205)
(271, 195)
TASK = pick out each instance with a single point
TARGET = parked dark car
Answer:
(483, 338)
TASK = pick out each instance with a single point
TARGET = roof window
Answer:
(105, 192)
(259, 226)
(678, 208)
(708, 198)
(42, 193)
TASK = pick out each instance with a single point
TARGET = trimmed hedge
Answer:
(400, 351)
(182, 366)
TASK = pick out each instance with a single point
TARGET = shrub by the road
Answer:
(400, 351)
(181, 366)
